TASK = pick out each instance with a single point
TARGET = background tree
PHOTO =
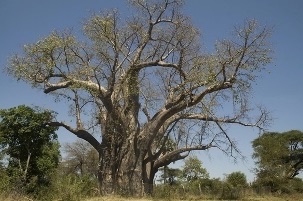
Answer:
(145, 80)
(80, 159)
(30, 146)
(193, 169)
(237, 179)
(169, 175)
(279, 157)
(234, 186)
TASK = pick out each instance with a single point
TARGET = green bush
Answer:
(59, 186)
(169, 192)
(297, 185)
(237, 179)
(4, 181)
(69, 188)
(201, 188)
(279, 186)
(230, 192)
(211, 187)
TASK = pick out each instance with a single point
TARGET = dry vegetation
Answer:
(249, 198)
(297, 197)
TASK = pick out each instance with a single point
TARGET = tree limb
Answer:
(176, 155)
(86, 84)
(79, 133)
(219, 120)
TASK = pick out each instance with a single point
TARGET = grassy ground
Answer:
(118, 198)
(255, 198)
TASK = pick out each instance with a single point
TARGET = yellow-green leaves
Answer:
(52, 56)
(204, 71)
(100, 28)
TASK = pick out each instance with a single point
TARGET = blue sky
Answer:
(280, 90)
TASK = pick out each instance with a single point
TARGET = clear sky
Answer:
(281, 90)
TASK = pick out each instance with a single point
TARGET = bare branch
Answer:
(221, 120)
(79, 133)
(54, 87)
(89, 85)
(176, 154)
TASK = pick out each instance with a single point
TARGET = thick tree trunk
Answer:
(131, 181)
(148, 175)
(122, 153)
(120, 168)
(121, 178)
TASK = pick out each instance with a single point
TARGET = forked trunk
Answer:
(124, 172)
(121, 154)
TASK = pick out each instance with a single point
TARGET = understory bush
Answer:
(70, 188)
(200, 189)
(61, 187)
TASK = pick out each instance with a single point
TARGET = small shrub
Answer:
(169, 192)
(69, 188)
(232, 193)
(4, 181)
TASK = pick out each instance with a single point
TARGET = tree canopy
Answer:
(169, 175)
(237, 179)
(280, 154)
(30, 145)
(193, 170)
(146, 81)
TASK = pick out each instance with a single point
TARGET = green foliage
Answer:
(193, 170)
(39, 57)
(4, 181)
(168, 192)
(296, 185)
(200, 189)
(69, 187)
(234, 186)
(237, 179)
(169, 175)
(31, 147)
(211, 186)
(231, 193)
(279, 159)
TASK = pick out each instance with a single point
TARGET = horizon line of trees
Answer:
(30, 161)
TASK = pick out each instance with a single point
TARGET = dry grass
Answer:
(14, 198)
(117, 198)
(256, 198)
(295, 197)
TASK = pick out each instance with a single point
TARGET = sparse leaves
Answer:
(146, 80)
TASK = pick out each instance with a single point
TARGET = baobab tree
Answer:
(147, 87)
